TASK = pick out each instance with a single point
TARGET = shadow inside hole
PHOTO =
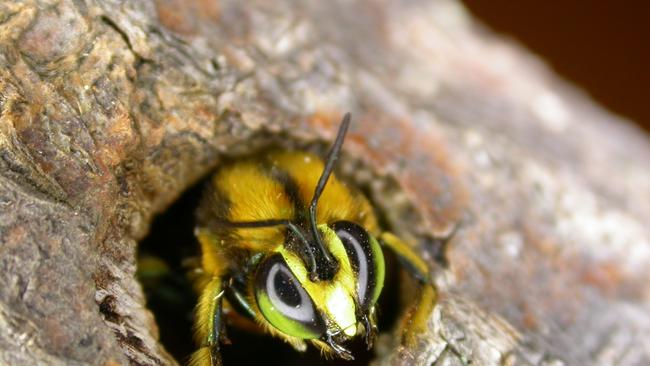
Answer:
(171, 298)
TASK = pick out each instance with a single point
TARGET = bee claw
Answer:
(344, 353)
(215, 358)
(340, 351)
(370, 342)
(370, 330)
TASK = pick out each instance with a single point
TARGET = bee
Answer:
(289, 246)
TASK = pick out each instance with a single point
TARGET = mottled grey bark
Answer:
(110, 109)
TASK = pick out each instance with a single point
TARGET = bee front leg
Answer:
(209, 324)
(415, 321)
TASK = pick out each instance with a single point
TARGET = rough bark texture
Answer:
(110, 109)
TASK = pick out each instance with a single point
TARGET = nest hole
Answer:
(171, 298)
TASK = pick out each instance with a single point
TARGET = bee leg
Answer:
(415, 321)
(236, 288)
(411, 261)
(209, 325)
(340, 351)
(370, 326)
(151, 268)
(235, 293)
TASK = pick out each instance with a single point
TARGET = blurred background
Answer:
(603, 46)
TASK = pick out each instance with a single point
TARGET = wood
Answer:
(536, 198)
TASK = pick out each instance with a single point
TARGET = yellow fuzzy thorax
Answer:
(254, 195)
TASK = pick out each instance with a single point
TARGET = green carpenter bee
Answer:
(298, 253)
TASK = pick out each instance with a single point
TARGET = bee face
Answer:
(329, 310)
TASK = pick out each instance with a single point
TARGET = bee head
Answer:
(328, 312)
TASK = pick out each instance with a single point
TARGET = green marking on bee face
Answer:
(380, 269)
(281, 322)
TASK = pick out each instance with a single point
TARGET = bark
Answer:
(536, 199)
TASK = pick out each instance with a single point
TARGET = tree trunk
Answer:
(536, 199)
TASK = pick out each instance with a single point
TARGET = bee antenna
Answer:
(271, 223)
(316, 251)
(332, 156)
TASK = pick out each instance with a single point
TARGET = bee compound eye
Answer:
(366, 260)
(284, 302)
